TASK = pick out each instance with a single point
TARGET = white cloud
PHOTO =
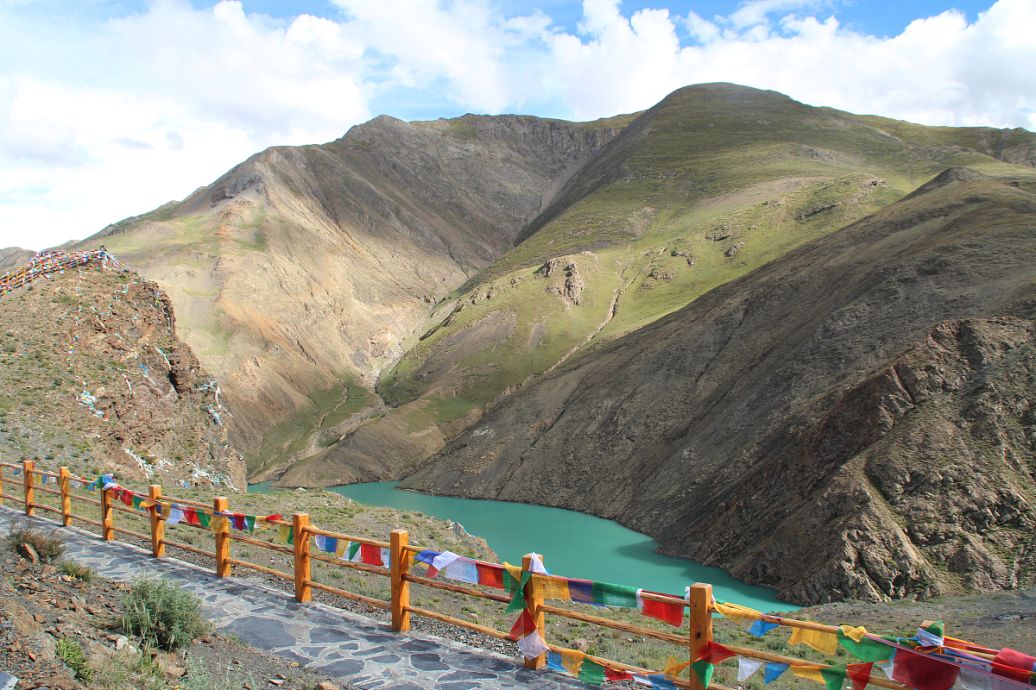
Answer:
(104, 118)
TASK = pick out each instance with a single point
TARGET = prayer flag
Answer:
(353, 552)
(554, 662)
(931, 635)
(371, 555)
(530, 642)
(660, 682)
(660, 610)
(285, 534)
(773, 671)
(923, 672)
(823, 642)
(514, 582)
(490, 575)
(581, 591)
(866, 649)
(715, 653)
(856, 634)
(617, 675)
(325, 543)
(747, 618)
(572, 660)
(810, 672)
(591, 672)
(982, 678)
(204, 519)
(127, 497)
(462, 570)
(440, 561)
(551, 587)
(746, 668)
(859, 674)
(536, 564)
(610, 594)
(1010, 663)
(834, 677)
(190, 516)
(427, 556)
(704, 671)
(175, 515)
(760, 628)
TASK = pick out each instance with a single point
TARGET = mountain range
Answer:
(788, 340)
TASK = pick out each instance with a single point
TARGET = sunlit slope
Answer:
(298, 274)
(710, 184)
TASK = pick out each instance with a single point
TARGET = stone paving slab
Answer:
(332, 642)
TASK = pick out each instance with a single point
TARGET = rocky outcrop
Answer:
(94, 378)
(854, 419)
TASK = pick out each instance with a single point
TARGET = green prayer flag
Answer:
(704, 671)
(591, 672)
(352, 551)
(250, 523)
(204, 519)
(137, 500)
(517, 590)
(866, 649)
(834, 677)
(614, 595)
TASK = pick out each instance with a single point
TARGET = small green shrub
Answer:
(161, 614)
(227, 678)
(47, 548)
(72, 654)
(76, 571)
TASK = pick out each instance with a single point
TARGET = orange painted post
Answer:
(221, 528)
(701, 626)
(154, 492)
(27, 467)
(303, 566)
(534, 604)
(107, 515)
(400, 566)
(65, 486)
(1, 486)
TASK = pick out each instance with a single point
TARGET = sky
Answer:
(110, 108)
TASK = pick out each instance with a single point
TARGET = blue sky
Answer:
(109, 108)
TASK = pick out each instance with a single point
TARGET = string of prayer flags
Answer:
(514, 582)
(608, 594)
(823, 642)
(242, 523)
(864, 648)
(773, 671)
(660, 610)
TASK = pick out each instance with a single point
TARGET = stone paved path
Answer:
(332, 642)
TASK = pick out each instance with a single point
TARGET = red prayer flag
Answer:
(237, 520)
(923, 672)
(612, 674)
(370, 554)
(859, 674)
(523, 626)
(275, 516)
(660, 610)
(490, 575)
(1010, 663)
(127, 497)
(190, 517)
(715, 653)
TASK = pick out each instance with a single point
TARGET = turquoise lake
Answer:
(572, 544)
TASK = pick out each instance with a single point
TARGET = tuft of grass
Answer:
(227, 678)
(76, 571)
(47, 548)
(72, 655)
(161, 614)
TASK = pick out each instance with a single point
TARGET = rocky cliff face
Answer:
(299, 274)
(854, 419)
(94, 378)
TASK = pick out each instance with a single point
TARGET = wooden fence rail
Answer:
(697, 642)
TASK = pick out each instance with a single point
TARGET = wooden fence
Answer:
(401, 559)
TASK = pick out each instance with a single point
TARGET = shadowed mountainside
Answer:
(852, 420)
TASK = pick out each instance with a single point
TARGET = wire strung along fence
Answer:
(929, 661)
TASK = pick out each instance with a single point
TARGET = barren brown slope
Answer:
(298, 274)
(13, 257)
(854, 419)
(92, 376)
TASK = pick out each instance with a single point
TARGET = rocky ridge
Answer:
(853, 420)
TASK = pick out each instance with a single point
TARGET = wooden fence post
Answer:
(399, 567)
(1, 486)
(303, 567)
(534, 604)
(30, 496)
(154, 493)
(700, 626)
(65, 486)
(107, 515)
(222, 532)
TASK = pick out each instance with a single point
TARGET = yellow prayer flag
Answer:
(283, 534)
(823, 642)
(514, 571)
(341, 547)
(741, 614)
(811, 672)
(551, 587)
(674, 668)
(855, 634)
(572, 659)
